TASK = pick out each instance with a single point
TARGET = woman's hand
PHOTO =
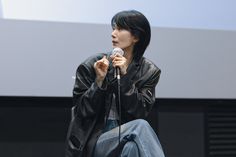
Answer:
(120, 61)
(101, 67)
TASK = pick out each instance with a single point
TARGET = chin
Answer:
(115, 47)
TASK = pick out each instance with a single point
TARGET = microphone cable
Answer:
(119, 101)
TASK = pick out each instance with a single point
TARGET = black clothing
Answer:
(92, 103)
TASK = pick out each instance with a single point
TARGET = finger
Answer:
(104, 57)
(118, 55)
(117, 64)
(101, 60)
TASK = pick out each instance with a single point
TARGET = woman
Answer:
(94, 130)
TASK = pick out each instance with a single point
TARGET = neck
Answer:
(129, 55)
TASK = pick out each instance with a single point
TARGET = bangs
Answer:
(120, 21)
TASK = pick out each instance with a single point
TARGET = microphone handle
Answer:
(118, 73)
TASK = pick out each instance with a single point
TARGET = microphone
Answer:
(115, 51)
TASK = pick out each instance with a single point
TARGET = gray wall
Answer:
(40, 58)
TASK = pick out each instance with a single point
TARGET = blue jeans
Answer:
(110, 124)
(138, 140)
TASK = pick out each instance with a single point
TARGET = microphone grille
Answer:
(118, 50)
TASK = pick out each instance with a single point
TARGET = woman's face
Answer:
(123, 39)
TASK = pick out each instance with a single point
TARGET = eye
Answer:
(117, 28)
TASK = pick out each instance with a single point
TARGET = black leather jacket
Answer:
(92, 104)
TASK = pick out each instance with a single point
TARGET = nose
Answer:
(113, 33)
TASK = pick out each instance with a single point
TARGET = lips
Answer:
(114, 42)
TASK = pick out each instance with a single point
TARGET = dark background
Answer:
(37, 126)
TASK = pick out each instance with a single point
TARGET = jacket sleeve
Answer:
(88, 97)
(138, 97)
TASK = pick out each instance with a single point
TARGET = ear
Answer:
(136, 39)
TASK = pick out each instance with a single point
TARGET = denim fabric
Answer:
(130, 149)
(141, 141)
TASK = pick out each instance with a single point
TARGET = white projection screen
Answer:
(43, 41)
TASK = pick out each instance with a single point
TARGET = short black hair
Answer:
(138, 25)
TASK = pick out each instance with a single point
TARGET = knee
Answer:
(142, 126)
(138, 126)
(143, 123)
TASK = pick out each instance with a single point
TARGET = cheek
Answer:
(126, 38)
(129, 41)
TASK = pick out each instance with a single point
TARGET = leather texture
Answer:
(92, 103)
